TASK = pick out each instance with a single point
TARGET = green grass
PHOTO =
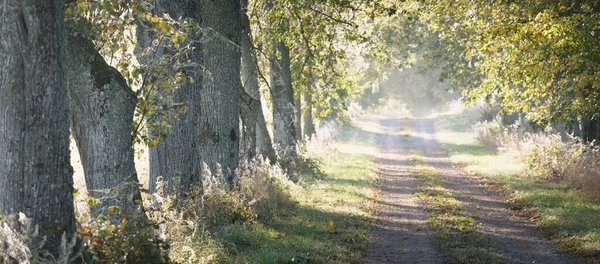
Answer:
(457, 232)
(568, 216)
(331, 222)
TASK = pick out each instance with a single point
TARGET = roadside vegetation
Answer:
(323, 216)
(549, 179)
(226, 96)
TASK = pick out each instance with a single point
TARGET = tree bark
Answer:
(35, 173)
(263, 141)
(576, 128)
(247, 126)
(219, 97)
(590, 130)
(586, 129)
(176, 158)
(298, 116)
(282, 95)
(309, 125)
(102, 107)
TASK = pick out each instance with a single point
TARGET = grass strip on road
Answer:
(458, 233)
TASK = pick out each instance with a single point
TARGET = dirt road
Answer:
(401, 234)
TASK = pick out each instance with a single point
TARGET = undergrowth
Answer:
(21, 243)
(547, 155)
(320, 213)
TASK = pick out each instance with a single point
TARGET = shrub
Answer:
(322, 140)
(573, 162)
(585, 172)
(508, 139)
(261, 192)
(264, 188)
(490, 134)
(181, 224)
(546, 155)
(122, 231)
(20, 242)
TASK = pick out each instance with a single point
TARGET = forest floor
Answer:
(431, 211)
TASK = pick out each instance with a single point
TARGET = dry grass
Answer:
(564, 213)
(547, 155)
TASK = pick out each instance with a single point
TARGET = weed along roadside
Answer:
(553, 207)
(322, 216)
(330, 220)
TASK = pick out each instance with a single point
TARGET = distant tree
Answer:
(35, 173)
(540, 58)
(307, 113)
(300, 45)
(251, 86)
(282, 95)
(282, 91)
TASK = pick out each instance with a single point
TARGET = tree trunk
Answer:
(176, 158)
(102, 107)
(589, 130)
(35, 173)
(262, 140)
(219, 97)
(576, 128)
(264, 143)
(309, 126)
(282, 95)
(247, 126)
(298, 116)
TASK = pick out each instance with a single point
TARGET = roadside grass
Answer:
(568, 216)
(457, 232)
(331, 221)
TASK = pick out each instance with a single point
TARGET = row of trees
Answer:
(189, 79)
(185, 79)
(538, 58)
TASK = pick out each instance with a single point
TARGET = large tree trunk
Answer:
(219, 97)
(309, 125)
(282, 95)
(35, 173)
(263, 141)
(102, 108)
(177, 158)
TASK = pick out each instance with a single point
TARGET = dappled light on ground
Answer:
(473, 224)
